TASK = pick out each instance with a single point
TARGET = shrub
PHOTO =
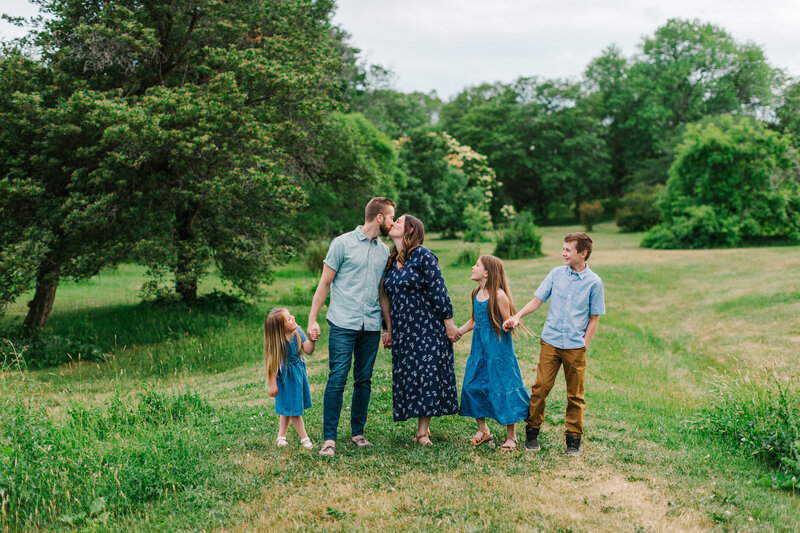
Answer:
(695, 227)
(760, 419)
(314, 255)
(639, 208)
(468, 256)
(732, 180)
(476, 222)
(521, 240)
(590, 213)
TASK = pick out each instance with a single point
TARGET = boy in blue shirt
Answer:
(576, 303)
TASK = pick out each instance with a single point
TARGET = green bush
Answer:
(520, 240)
(695, 227)
(476, 222)
(468, 256)
(639, 208)
(760, 419)
(590, 212)
(732, 181)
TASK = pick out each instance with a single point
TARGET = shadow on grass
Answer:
(172, 336)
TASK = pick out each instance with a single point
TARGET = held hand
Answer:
(452, 331)
(313, 331)
(387, 339)
(511, 323)
(273, 390)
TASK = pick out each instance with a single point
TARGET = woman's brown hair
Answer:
(413, 237)
(275, 342)
(495, 280)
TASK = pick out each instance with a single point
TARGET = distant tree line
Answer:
(182, 135)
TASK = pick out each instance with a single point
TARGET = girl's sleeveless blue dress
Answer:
(294, 394)
(493, 386)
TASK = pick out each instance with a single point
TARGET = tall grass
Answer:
(101, 463)
(760, 417)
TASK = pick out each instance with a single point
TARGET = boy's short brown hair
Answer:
(376, 207)
(582, 242)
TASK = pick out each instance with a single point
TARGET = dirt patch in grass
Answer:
(572, 495)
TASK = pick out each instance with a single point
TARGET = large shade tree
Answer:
(161, 131)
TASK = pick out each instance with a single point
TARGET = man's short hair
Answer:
(582, 242)
(376, 207)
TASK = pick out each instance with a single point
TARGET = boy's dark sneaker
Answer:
(573, 444)
(532, 439)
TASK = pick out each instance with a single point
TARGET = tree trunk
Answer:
(186, 268)
(42, 304)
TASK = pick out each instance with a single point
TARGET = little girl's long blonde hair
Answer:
(275, 342)
(495, 280)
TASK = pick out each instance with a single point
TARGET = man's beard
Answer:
(385, 229)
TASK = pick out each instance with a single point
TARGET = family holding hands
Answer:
(403, 293)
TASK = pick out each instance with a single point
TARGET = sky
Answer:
(447, 45)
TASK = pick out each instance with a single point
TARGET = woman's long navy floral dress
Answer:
(423, 376)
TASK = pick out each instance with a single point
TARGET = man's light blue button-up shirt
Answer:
(574, 296)
(359, 264)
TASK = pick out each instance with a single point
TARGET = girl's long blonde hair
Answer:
(495, 280)
(275, 343)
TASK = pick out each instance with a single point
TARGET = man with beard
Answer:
(352, 271)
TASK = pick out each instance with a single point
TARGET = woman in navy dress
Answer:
(419, 316)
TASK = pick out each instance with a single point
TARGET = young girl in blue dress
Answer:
(493, 386)
(286, 372)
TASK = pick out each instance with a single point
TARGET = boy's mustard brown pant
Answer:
(550, 360)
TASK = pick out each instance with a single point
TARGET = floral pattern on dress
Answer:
(423, 373)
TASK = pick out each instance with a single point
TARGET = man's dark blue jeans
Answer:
(344, 346)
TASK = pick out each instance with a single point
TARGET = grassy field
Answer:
(176, 430)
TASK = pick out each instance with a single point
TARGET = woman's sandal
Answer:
(423, 440)
(485, 437)
(307, 444)
(281, 442)
(508, 447)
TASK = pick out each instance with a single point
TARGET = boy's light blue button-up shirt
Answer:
(359, 264)
(574, 296)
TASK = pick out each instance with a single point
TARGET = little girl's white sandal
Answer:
(307, 444)
(282, 442)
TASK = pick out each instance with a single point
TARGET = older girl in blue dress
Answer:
(493, 386)
(286, 372)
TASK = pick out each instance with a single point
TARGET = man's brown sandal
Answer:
(360, 441)
(485, 437)
(508, 447)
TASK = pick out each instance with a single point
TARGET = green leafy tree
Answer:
(163, 131)
(395, 113)
(789, 111)
(477, 222)
(684, 72)
(444, 177)
(359, 162)
(733, 181)
(539, 136)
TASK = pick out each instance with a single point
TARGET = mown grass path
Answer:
(675, 320)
